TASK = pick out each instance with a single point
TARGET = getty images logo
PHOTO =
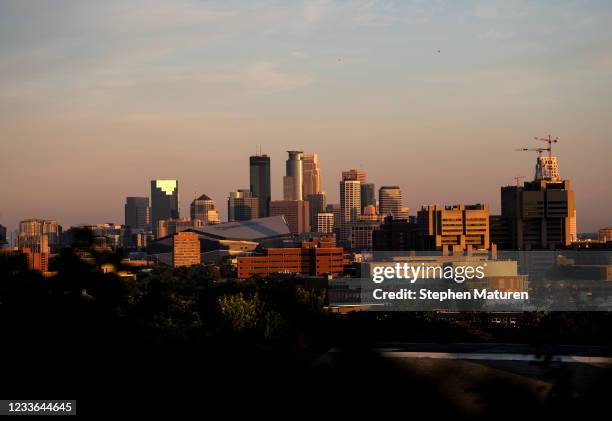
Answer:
(411, 273)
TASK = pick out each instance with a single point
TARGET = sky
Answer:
(98, 98)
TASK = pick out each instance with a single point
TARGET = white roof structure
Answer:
(252, 230)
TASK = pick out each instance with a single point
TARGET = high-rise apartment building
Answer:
(260, 185)
(31, 231)
(203, 209)
(34, 239)
(137, 213)
(354, 174)
(390, 201)
(311, 175)
(296, 213)
(164, 201)
(292, 181)
(242, 205)
(350, 207)
(185, 249)
(316, 205)
(368, 195)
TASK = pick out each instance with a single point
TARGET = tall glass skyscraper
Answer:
(242, 205)
(164, 201)
(259, 170)
(137, 213)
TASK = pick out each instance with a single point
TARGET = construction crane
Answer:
(538, 150)
(518, 179)
(550, 140)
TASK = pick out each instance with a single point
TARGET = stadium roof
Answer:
(253, 230)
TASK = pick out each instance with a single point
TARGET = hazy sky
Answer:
(99, 97)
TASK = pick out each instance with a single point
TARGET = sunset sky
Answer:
(99, 97)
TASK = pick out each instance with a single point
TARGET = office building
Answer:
(316, 204)
(31, 231)
(137, 213)
(203, 209)
(296, 213)
(185, 249)
(361, 234)
(605, 235)
(311, 175)
(453, 228)
(359, 175)
(350, 207)
(312, 258)
(540, 214)
(334, 208)
(242, 205)
(259, 173)
(368, 195)
(325, 223)
(164, 201)
(292, 181)
(390, 201)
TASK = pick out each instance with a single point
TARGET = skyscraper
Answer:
(350, 206)
(242, 205)
(311, 174)
(368, 195)
(203, 209)
(292, 181)
(354, 174)
(137, 213)
(295, 213)
(390, 201)
(164, 201)
(259, 171)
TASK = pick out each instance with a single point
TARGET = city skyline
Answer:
(99, 98)
(185, 202)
